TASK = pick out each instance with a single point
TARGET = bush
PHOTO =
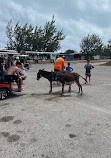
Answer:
(107, 63)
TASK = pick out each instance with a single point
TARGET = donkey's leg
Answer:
(81, 90)
(62, 89)
(69, 88)
(50, 87)
(80, 87)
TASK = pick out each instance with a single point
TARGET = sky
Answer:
(77, 18)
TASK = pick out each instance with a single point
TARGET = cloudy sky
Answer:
(77, 18)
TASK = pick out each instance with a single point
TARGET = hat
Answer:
(17, 57)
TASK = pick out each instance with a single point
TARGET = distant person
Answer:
(59, 64)
(26, 64)
(10, 61)
(35, 59)
(69, 68)
(12, 73)
(88, 68)
(2, 72)
(16, 60)
(22, 60)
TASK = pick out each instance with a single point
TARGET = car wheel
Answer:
(3, 93)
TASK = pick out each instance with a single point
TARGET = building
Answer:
(72, 56)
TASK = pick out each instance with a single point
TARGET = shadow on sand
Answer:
(55, 95)
(15, 95)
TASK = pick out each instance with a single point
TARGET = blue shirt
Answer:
(69, 68)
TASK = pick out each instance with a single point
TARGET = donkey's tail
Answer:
(83, 78)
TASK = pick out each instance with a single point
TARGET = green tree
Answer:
(69, 51)
(107, 50)
(23, 37)
(27, 38)
(9, 32)
(37, 39)
(20, 37)
(91, 45)
(52, 37)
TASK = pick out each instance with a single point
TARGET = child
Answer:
(69, 68)
(88, 68)
(22, 71)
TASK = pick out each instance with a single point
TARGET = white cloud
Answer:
(77, 18)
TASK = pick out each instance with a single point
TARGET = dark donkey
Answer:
(64, 77)
(48, 75)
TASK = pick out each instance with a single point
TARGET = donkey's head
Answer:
(39, 75)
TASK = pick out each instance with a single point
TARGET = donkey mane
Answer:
(46, 74)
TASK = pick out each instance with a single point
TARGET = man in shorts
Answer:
(88, 68)
(12, 74)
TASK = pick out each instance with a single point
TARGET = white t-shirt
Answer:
(22, 71)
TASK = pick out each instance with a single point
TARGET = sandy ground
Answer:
(37, 124)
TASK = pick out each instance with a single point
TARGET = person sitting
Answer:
(12, 74)
(2, 72)
(22, 70)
